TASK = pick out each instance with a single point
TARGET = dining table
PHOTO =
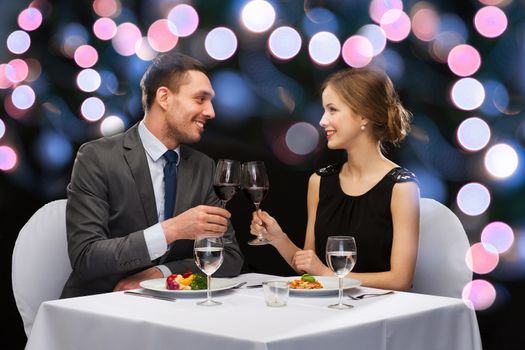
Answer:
(118, 320)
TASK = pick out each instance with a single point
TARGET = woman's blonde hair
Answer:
(371, 94)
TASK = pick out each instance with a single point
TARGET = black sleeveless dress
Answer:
(366, 217)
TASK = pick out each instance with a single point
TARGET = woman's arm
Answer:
(405, 218)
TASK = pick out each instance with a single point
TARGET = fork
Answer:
(368, 295)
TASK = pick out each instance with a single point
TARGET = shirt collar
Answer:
(154, 148)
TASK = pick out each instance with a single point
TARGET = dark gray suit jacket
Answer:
(111, 201)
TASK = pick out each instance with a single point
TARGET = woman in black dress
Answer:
(368, 196)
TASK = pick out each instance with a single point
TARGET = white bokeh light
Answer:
(18, 42)
(221, 43)
(376, 35)
(93, 109)
(473, 134)
(23, 97)
(473, 199)
(467, 94)
(88, 80)
(258, 16)
(284, 43)
(501, 160)
(111, 125)
(324, 48)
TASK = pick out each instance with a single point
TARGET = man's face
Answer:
(190, 108)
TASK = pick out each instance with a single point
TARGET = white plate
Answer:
(159, 285)
(330, 285)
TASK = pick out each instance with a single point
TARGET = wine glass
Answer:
(255, 186)
(227, 179)
(227, 182)
(208, 257)
(341, 255)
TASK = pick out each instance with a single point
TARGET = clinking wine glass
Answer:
(341, 255)
(207, 251)
(227, 179)
(255, 185)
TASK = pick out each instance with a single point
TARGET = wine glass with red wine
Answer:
(227, 179)
(255, 186)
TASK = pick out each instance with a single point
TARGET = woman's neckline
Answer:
(367, 191)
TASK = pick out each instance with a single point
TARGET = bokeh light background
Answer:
(69, 73)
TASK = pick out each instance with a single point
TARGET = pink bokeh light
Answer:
(379, 7)
(19, 72)
(30, 19)
(8, 158)
(160, 37)
(6, 71)
(106, 8)
(498, 235)
(86, 56)
(464, 60)
(479, 294)
(104, 28)
(490, 21)
(482, 258)
(126, 38)
(425, 24)
(357, 51)
(396, 25)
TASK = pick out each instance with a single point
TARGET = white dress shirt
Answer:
(154, 235)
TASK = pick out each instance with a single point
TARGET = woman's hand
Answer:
(263, 223)
(307, 261)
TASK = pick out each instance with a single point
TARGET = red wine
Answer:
(255, 194)
(225, 192)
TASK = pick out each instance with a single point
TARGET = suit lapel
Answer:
(138, 165)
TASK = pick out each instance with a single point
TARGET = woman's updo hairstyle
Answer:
(371, 94)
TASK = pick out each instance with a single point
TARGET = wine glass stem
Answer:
(223, 204)
(208, 291)
(259, 236)
(340, 290)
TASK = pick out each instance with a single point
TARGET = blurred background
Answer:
(70, 71)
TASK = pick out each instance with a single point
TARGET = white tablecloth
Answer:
(400, 321)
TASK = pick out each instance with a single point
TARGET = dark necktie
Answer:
(170, 182)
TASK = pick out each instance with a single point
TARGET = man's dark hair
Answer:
(167, 69)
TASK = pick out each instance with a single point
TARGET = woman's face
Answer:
(342, 126)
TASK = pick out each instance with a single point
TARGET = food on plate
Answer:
(186, 281)
(306, 282)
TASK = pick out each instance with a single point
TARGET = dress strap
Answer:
(400, 174)
(329, 170)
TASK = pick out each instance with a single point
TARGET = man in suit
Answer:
(124, 222)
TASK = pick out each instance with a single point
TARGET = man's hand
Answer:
(132, 282)
(198, 220)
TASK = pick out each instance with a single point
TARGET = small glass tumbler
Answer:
(276, 292)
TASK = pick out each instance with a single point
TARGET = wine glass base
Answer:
(259, 241)
(340, 306)
(209, 303)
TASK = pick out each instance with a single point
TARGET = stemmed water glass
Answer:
(341, 255)
(208, 257)
(255, 185)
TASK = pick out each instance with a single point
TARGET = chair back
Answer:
(441, 268)
(40, 264)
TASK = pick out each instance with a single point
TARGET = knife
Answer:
(131, 292)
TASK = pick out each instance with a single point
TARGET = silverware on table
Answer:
(368, 295)
(140, 294)
(239, 285)
(254, 286)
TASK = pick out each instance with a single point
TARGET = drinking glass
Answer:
(208, 257)
(227, 179)
(341, 255)
(255, 185)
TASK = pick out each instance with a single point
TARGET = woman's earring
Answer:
(363, 126)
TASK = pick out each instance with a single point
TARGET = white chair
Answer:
(443, 244)
(40, 263)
